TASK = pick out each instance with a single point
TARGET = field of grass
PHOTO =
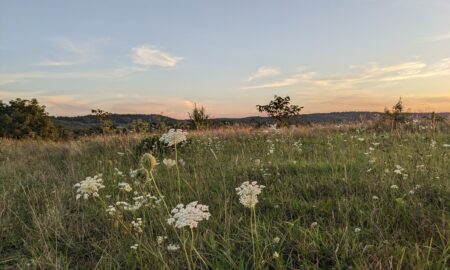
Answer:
(334, 198)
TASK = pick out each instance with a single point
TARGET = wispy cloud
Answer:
(371, 73)
(437, 38)
(149, 56)
(8, 78)
(289, 81)
(70, 53)
(263, 72)
(144, 58)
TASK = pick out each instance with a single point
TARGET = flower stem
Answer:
(178, 174)
(253, 240)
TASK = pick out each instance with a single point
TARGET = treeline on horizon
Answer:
(27, 119)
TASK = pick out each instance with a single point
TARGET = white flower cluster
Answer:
(118, 172)
(271, 147)
(111, 210)
(137, 225)
(248, 193)
(433, 143)
(169, 162)
(188, 216)
(173, 137)
(298, 145)
(399, 170)
(125, 187)
(160, 239)
(145, 200)
(89, 187)
(173, 247)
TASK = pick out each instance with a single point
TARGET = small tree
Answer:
(106, 124)
(199, 117)
(22, 119)
(280, 109)
(395, 116)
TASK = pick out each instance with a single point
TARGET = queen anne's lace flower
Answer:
(173, 247)
(111, 210)
(276, 255)
(169, 162)
(248, 193)
(160, 239)
(89, 187)
(173, 137)
(276, 240)
(188, 216)
(125, 187)
(137, 225)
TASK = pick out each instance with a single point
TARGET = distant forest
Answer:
(125, 120)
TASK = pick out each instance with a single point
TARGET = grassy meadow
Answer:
(335, 197)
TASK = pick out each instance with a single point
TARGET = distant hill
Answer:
(124, 120)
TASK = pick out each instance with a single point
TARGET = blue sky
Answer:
(162, 56)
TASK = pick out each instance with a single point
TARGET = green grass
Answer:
(329, 181)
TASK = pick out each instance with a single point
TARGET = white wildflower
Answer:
(188, 216)
(314, 224)
(173, 247)
(137, 225)
(420, 167)
(134, 173)
(125, 187)
(248, 193)
(111, 210)
(118, 172)
(394, 187)
(160, 239)
(89, 187)
(433, 143)
(357, 230)
(275, 255)
(134, 247)
(398, 169)
(276, 240)
(120, 203)
(375, 198)
(182, 162)
(173, 137)
(169, 162)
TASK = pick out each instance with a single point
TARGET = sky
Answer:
(164, 56)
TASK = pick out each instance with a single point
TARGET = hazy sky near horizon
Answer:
(162, 56)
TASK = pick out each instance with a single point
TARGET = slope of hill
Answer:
(124, 120)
